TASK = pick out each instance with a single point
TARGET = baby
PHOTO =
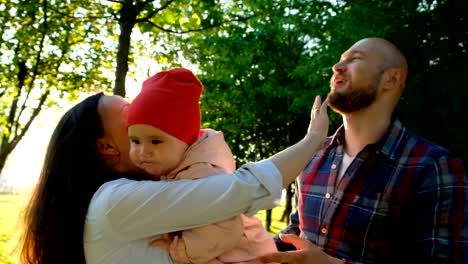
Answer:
(167, 142)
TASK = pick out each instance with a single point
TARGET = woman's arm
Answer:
(133, 209)
(292, 160)
(137, 209)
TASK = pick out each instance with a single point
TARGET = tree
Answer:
(161, 19)
(260, 78)
(46, 56)
(434, 101)
(51, 51)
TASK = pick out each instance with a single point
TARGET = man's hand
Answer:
(306, 253)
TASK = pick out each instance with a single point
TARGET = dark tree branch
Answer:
(154, 12)
(90, 17)
(36, 66)
(240, 19)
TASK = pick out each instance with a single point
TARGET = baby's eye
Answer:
(135, 141)
(155, 141)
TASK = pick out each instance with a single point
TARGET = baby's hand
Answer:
(174, 245)
(163, 242)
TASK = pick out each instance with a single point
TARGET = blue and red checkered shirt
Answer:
(401, 200)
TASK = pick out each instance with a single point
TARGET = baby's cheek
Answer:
(133, 154)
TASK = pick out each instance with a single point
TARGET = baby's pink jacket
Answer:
(240, 239)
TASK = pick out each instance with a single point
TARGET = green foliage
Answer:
(262, 62)
(261, 74)
(261, 77)
(48, 52)
(435, 97)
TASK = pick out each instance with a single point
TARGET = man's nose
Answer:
(339, 67)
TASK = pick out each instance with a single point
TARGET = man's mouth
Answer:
(338, 81)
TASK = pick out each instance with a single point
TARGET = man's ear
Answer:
(107, 148)
(394, 78)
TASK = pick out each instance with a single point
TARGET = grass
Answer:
(12, 204)
(276, 224)
(10, 209)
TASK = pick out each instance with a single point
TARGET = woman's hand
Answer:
(291, 161)
(319, 122)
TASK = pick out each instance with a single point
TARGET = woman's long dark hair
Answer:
(71, 174)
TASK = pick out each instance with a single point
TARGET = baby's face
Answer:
(154, 150)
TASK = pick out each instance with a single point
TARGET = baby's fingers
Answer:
(162, 243)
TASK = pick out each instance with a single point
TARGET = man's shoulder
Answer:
(421, 149)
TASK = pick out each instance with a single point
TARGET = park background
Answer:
(261, 61)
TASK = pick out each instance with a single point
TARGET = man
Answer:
(376, 193)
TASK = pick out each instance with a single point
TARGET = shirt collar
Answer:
(389, 144)
(393, 139)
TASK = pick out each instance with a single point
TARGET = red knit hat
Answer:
(169, 100)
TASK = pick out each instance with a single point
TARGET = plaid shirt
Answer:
(401, 200)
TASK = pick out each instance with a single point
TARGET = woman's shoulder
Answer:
(112, 185)
(108, 191)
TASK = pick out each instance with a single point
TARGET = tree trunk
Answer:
(2, 163)
(289, 192)
(127, 21)
(122, 58)
(268, 219)
(8, 147)
(288, 206)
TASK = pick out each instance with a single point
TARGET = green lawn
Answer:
(10, 208)
(276, 224)
(11, 205)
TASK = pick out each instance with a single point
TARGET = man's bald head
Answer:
(394, 56)
(371, 72)
(387, 55)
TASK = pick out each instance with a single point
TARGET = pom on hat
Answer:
(169, 100)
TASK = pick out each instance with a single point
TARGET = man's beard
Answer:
(355, 99)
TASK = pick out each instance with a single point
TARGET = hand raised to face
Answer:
(318, 118)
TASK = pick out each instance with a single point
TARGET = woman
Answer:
(87, 166)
